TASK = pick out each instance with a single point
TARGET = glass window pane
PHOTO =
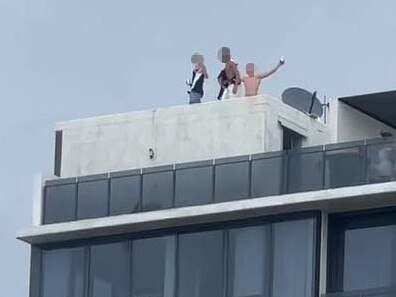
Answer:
(60, 203)
(109, 272)
(63, 272)
(200, 264)
(305, 172)
(249, 262)
(232, 181)
(381, 162)
(157, 190)
(194, 186)
(124, 195)
(293, 260)
(345, 167)
(370, 258)
(267, 177)
(153, 267)
(92, 199)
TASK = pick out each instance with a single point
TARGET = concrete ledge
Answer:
(333, 200)
(181, 134)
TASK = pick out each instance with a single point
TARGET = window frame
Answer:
(226, 226)
(338, 225)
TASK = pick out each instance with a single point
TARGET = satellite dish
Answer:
(303, 101)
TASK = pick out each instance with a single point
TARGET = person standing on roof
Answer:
(199, 75)
(232, 75)
(252, 80)
(223, 82)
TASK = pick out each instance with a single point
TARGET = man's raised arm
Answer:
(269, 73)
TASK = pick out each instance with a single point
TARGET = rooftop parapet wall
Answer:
(183, 133)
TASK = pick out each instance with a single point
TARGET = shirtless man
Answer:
(252, 81)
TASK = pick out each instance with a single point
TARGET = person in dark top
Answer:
(199, 75)
(223, 82)
(231, 72)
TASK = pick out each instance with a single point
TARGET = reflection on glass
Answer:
(157, 190)
(93, 199)
(345, 167)
(267, 177)
(124, 194)
(153, 267)
(305, 172)
(370, 258)
(293, 260)
(109, 271)
(60, 203)
(194, 186)
(200, 264)
(63, 272)
(381, 161)
(232, 181)
(249, 261)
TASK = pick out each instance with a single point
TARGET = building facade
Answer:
(242, 198)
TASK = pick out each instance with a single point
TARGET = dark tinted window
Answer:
(109, 271)
(370, 258)
(267, 177)
(58, 153)
(305, 172)
(291, 140)
(124, 194)
(200, 264)
(153, 267)
(381, 162)
(345, 167)
(60, 203)
(293, 260)
(249, 261)
(63, 272)
(93, 199)
(157, 190)
(232, 181)
(194, 186)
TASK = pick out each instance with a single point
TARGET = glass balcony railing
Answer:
(380, 292)
(213, 181)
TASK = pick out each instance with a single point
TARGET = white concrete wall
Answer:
(205, 131)
(354, 125)
(37, 206)
(181, 134)
(314, 132)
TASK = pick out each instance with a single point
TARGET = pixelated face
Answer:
(224, 54)
(250, 69)
(197, 58)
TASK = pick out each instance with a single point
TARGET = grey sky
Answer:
(76, 58)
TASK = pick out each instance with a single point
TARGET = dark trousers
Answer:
(221, 92)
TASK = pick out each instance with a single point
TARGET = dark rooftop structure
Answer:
(380, 106)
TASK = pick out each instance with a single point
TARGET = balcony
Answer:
(220, 180)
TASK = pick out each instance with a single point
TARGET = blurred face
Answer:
(197, 59)
(224, 54)
(226, 58)
(250, 69)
